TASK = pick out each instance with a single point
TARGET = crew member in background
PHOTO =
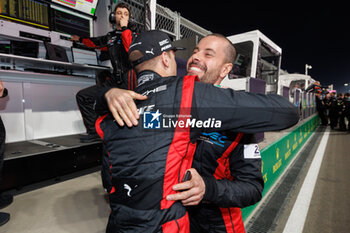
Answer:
(333, 110)
(341, 109)
(327, 101)
(5, 200)
(321, 109)
(114, 46)
(347, 108)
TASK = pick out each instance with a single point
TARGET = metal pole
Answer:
(306, 68)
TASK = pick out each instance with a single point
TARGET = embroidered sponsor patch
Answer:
(157, 89)
(144, 78)
(214, 138)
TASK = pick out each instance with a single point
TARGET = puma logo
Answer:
(151, 52)
(128, 188)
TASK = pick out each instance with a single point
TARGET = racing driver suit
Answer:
(146, 161)
(230, 165)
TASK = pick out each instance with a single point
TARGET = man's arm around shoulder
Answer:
(120, 103)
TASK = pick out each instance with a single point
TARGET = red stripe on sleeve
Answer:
(90, 44)
(127, 39)
(98, 125)
(223, 169)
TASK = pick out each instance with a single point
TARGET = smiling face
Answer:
(210, 60)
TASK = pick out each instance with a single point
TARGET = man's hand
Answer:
(2, 88)
(124, 22)
(190, 192)
(74, 38)
(122, 106)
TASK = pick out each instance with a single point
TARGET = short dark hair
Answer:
(137, 54)
(122, 5)
(230, 52)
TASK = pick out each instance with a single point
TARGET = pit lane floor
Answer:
(79, 205)
(73, 206)
(330, 206)
(328, 209)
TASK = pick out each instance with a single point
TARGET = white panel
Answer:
(239, 84)
(51, 110)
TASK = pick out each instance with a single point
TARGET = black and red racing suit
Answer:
(230, 165)
(146, 161)
(115, 47)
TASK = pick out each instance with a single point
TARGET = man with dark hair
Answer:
(114, 47)
(147, 161)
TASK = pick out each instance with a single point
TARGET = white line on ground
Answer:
(281, 177)
(296, 220)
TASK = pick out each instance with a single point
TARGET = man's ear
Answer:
(226, 68)
(165, 59)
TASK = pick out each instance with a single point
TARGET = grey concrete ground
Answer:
(329, 210)
(330, 205)
(74, 206)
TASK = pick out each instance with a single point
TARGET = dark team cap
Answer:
(151, 44)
